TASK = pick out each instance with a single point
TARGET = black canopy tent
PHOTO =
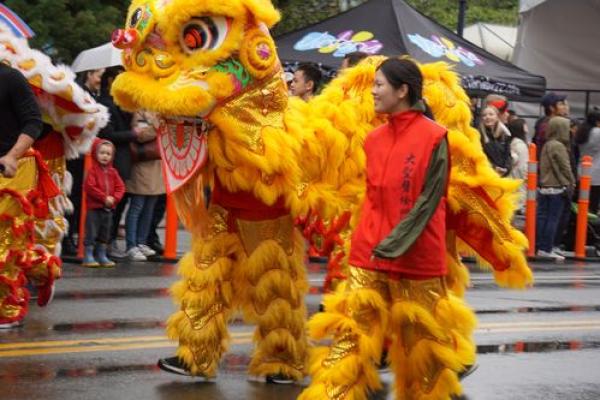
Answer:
(392, 27)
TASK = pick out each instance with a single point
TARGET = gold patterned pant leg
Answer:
(51, 230)
(275, 285)
(356, 318)
(431, 331)
(16, 237)
(14, 297)
(205, 297)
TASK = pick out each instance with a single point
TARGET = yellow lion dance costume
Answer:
(212, 70)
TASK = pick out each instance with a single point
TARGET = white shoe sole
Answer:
(184, 372)
(274, 381)
(11, 325)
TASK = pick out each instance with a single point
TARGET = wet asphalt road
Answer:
(102, 336)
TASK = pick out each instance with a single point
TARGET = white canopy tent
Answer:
(497, 39)
(559, 40)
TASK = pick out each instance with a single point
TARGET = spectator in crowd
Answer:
(563, 236)
(119, 132)
(90, 81)
(554, 105)
(145, 184)
(512, 115)
(501, 104)
(153, 240)
(575, 124)
(104, 189)
(587, 138)
(20, 118)
(307, 79)
(351, 59)
(495, 139)
(520, 157)
(556, 185)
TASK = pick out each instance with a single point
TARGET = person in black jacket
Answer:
(20, 118)
(495, 140)
(119, 132)
(90, 81)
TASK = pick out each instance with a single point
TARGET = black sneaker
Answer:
(157, 247)
(174, 365)
(469, 369)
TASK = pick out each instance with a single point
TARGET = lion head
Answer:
(185, 57)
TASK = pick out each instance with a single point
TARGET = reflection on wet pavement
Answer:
(237, 363)
(112, 294)
(538, 347)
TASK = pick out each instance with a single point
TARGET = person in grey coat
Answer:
(587, 138)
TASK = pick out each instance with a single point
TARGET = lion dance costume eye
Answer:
(204, 33)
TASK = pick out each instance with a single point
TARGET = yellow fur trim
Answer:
(359, 316)
(275, 284)
(430, 348)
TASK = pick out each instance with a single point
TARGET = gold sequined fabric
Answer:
(342, 347)
(259, 107)
(253, 233)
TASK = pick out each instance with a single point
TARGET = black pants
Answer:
(594, 199)
(117, 214)
(157, 216)
(75, 167)
(97, 226)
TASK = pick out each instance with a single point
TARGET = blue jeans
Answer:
(139, 219)
(549, 211)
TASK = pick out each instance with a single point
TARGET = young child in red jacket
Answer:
(103, 190)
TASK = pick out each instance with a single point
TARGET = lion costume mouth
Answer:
(183, 144)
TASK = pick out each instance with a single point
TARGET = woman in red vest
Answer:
(396, 288)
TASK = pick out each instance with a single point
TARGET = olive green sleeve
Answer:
(410, 228)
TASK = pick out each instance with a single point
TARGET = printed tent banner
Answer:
(392, 27)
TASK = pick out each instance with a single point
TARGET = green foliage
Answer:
(445, 12)
(301, 13)
(65, 27)
(297, 14)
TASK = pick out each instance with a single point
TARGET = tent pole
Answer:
(462, 10)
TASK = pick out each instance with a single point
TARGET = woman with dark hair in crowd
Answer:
(120, 133)
(495, 139)
(520, 157)
(587, 138)
(397, 261)
(90, 81)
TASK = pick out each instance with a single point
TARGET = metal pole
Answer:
(462, 10)
(587, 103)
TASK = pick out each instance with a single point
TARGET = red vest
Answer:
(398, 155)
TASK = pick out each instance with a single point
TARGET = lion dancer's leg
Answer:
(432, 339)
(51, 230)
(273, 289)
(21, 261)
(205, 297)
(14, 297)
(357, 319)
